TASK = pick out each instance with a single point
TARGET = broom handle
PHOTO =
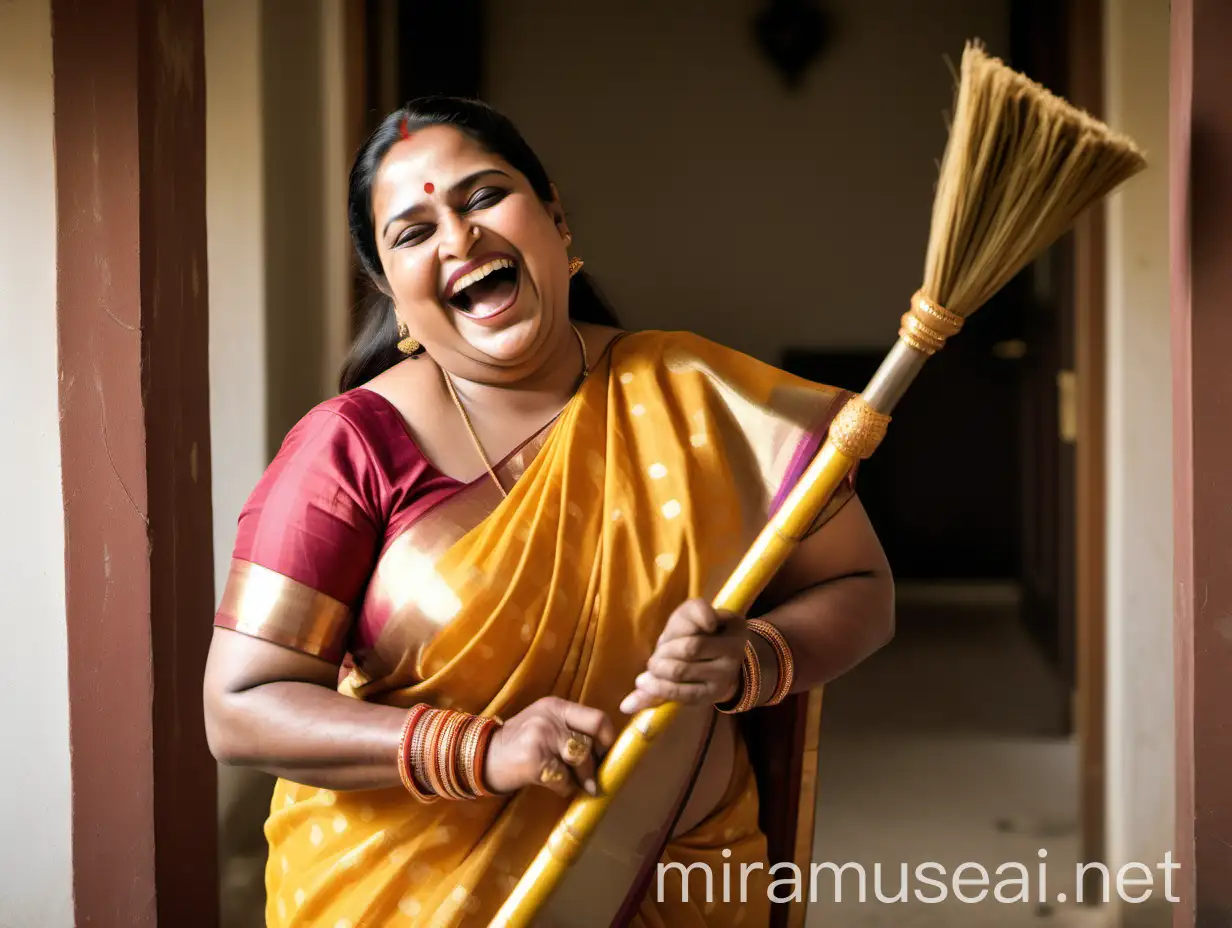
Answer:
(758, 566)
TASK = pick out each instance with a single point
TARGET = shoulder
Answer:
(683, 352)
(661, 345)
(345, 448)
(687, 366)
(359, 419)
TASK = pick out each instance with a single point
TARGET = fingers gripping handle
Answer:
(571, 833)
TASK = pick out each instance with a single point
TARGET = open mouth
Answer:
(485, 290)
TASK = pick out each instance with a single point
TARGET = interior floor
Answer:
(948, 747)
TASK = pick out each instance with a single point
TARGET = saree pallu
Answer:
(645, 491)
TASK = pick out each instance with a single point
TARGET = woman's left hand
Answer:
(696, 660)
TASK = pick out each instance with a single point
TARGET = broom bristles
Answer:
(1020, 165)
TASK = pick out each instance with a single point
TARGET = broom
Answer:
(1019, 167)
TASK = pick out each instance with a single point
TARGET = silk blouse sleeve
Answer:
(306, 541)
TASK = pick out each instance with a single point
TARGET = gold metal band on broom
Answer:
(1019, 167)
(859, 427)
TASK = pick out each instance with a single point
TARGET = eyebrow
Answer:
(464, 182)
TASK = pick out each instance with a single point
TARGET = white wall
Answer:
(1140, 699)
(701, 194)
(279, 251)
(235, 215)
(35, 786)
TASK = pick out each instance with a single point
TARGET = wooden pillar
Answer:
(1201, 232)
(134, 403)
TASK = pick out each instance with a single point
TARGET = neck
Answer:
(550, 384)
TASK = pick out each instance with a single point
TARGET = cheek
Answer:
(523, 222)
(531, 231)
(411, 277)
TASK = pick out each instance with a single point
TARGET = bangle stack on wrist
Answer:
(441, 753)
(787, 666)
(749, 694)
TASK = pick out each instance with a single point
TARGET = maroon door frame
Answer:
(1201, 238)
(135, 447)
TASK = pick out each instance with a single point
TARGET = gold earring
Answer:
(406, 344)
(575, 265)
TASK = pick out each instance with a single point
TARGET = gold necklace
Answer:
(471, 428)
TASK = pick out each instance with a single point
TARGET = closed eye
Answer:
(413, 235)
(485, 197)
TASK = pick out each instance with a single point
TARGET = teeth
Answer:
(479, 274)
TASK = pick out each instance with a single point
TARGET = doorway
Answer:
(984, 672)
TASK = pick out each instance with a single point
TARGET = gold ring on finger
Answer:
(577, 748)
(552, 774)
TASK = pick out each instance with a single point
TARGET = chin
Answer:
(508, 345)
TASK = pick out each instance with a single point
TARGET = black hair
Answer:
(375, 347)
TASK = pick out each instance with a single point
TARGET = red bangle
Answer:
(441, 753)
(405, 754)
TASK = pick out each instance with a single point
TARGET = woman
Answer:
(460, 578)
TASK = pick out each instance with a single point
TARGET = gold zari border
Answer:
(267, 605)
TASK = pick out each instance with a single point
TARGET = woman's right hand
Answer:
(552, 743)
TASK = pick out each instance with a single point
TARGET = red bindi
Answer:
(429, 187)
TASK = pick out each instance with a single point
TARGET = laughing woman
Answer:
(460, 577)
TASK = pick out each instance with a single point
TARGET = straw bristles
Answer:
(1021, 164)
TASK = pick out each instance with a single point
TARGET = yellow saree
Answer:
(644, 492)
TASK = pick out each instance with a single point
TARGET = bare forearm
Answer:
(310, 734)
(830, 628)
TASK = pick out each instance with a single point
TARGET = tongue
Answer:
(489, 295)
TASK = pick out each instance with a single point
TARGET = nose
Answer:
(458, 236)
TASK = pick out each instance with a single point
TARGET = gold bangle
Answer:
(782, 652)
(432, 738)
(750, 676)
(419, 771)
(403, 759)
(446, 751)
(458, 757)
(486, 730)
(466, 756)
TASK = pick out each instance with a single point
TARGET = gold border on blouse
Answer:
(265, 604)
